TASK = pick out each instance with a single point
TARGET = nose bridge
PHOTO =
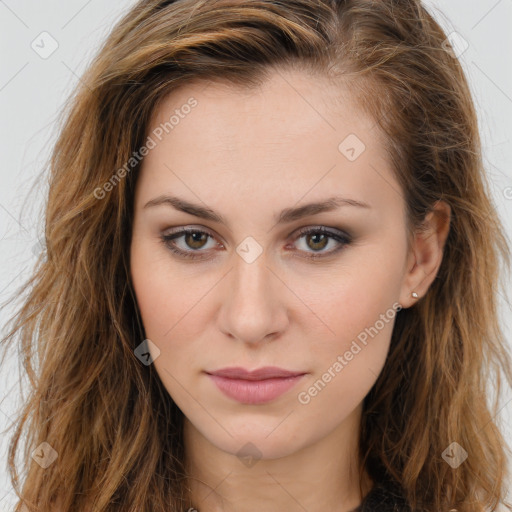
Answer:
(251, 275)
(252, 309)
(251, 285)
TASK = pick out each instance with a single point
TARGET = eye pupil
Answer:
(325, 239)
(194, 235)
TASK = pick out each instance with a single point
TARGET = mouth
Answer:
(255, 387)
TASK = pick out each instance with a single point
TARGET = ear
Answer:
(426, 254)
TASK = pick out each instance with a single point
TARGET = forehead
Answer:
(293, 135)
(302, 104)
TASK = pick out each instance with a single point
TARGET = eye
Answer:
(317, 239)
(193, 238)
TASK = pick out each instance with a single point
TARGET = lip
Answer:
(266, 372)
(257, 386)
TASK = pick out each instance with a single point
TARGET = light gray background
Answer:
(33, 90)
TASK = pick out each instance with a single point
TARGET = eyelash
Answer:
(343, 239)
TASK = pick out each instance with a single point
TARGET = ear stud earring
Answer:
(414, 294)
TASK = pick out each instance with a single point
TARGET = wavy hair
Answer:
(116, 432)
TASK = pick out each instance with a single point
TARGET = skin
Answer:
(247, 156)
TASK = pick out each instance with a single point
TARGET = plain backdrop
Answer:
(35, 85)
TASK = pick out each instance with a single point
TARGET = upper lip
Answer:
(267, 372)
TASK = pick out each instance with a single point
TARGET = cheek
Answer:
(357, 308)
(347, 363)
(164, 295)
(353, 299)
(170, 302)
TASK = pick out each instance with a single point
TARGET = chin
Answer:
(250, 449)
(262, 439)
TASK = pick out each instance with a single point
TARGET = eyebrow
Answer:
(285, 216)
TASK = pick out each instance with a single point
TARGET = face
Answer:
(261, 281)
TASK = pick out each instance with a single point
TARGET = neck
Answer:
(317, 477)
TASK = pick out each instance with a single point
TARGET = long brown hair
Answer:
(114, 428)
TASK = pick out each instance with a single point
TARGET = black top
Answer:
(383, 499)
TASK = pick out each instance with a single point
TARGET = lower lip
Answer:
(254, 391)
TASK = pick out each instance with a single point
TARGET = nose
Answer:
(254, 308)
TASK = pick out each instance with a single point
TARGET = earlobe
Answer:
(426, 254)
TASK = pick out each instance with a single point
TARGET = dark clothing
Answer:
(383, 499)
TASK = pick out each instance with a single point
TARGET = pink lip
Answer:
(257, 386)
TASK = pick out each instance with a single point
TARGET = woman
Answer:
(268, 231)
